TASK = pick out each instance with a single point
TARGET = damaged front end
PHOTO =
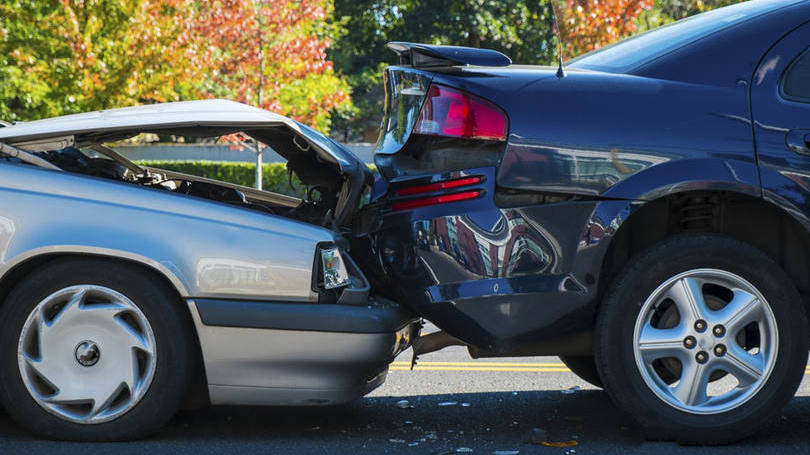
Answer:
(282, 312)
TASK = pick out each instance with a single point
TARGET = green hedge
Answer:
(274, 175)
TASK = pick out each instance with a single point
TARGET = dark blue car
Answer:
(644, 214)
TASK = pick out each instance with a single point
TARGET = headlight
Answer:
(334, 270)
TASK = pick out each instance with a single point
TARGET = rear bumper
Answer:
(263, 353)
(510, 280)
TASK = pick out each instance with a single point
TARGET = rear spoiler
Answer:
(429, 55)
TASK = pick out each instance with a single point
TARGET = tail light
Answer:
(450, 112)
(423, 202)
(438, 186)
(462, 194)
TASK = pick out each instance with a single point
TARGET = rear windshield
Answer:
(642, 48)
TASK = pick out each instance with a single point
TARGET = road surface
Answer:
(454, 403)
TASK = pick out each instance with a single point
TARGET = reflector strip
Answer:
(463, 196)
(444, 185)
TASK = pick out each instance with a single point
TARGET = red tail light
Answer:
(455, 197)
(450, 112)
(438, 186)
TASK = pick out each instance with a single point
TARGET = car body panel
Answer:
(785, 173)
(209, 249)
(251, 366)
(584, 153)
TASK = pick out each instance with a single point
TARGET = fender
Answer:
(206, 249)
(788, 189)
(619, 202)
(168, 271)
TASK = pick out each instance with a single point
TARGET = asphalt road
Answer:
(456, 404)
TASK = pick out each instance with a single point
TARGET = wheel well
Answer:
(745, 218)
(198, 393)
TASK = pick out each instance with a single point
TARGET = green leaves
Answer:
(64, 56)
(519, 28)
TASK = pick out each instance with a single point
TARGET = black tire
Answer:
(584, 366)
(170, 325)
(615, 343)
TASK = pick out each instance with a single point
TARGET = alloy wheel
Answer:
(705, 341)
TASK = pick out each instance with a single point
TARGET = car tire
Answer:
(133, 345)
(584, 366)
(642, 349)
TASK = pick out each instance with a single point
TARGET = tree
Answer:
(590, 24)
(64, 56)
(271, 54)
(665, 11)
(519, 28)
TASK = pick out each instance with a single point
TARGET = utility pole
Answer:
(259, 94)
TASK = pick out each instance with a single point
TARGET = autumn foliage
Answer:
(590, 24)
(271, 53)
(64, 56)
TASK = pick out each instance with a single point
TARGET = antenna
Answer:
(560, 69)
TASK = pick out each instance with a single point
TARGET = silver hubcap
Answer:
(705, 341)
(87, 354)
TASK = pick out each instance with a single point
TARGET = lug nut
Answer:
(720, 350)
(702, 357)
(689, 342)
(700, 325)
(719, 330)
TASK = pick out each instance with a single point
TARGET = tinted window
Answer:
(640, 49)
(796, 82)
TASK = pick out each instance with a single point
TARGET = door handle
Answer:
(798, 141)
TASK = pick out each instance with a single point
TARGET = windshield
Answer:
(642, 48)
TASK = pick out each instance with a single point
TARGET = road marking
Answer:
(483, 364)
(527, 367)
(532, 370)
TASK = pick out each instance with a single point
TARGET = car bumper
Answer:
(265, 353)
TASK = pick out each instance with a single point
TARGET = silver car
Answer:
(129, 291)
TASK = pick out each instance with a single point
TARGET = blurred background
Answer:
(317, 61)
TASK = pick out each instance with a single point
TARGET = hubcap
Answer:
(87, 354)
(705, 341)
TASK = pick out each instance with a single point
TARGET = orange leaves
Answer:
(95, 54)
(264, 53)
(590, 24)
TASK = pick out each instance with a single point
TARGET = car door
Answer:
(780, 102)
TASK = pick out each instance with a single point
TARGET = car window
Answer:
(633, 52)
(796, 81)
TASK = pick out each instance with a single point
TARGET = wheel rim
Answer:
(705, 341)
(87, 354)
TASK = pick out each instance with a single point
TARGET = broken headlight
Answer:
(333, 268)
